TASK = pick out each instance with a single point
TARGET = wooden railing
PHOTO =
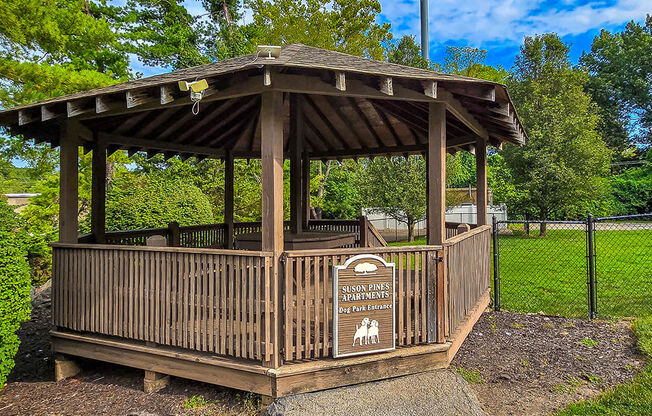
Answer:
(468, 262)
(218, 301)
(214, 235)
(308, 306)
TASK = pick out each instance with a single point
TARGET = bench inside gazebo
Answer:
(250, 305)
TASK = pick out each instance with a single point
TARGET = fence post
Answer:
(363, 231)
(175, 234)
(591, 267)
(496, 265)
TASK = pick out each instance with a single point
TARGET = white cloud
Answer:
(481, 22)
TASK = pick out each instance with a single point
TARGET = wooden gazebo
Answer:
(249, 305)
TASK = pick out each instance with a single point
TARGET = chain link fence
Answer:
(598, 268)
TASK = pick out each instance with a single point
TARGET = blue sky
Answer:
(495, 25)
(500, 25)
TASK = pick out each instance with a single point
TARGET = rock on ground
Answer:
(440, 392)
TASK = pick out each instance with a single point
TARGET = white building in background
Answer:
(393, 230)
(18, 201)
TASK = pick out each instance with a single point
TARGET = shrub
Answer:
(136, 202)
(14, 287)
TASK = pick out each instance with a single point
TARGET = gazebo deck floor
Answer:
(290, 378)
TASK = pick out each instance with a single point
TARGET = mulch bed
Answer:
(102, 389)
(521, 364)
(534, 364)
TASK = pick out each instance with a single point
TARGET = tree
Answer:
(408, 52)
(395, 186)
(340, 25)
(621, 84)
(565, 160)
(138, 201)
(160, 32)
(14, 287)
(50, 48)
(470, 62)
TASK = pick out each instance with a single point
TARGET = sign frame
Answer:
(336, 269)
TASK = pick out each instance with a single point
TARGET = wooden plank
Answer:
(299, 278)
(327, 304)
(402, 300)
(258, 304)
(307, 304)
(318, 300)
(289, 301)
(223, 302)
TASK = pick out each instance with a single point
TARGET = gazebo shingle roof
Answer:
(485, 103)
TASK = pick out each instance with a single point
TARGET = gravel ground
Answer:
(441, 392)
(534, 364)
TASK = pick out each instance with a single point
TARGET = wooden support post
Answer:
(305, 183)
(228, 199)
(436, 184)
(98, 191)
(437, 173)
(154, 381)
(481, 174)
(68, 184)
(271, 128)
(296, 170)
(175, 234)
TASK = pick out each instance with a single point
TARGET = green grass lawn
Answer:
(633, 398)
(549, 274)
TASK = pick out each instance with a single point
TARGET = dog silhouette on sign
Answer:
(372, 333)
(362, 332)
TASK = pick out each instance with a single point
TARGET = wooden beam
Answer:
(365, 120)
(340, 81)
(457, 109)
(388, 124)
(242, 110)
(429, 88)
(356, 153)
(481, 175)
(314, 85)
(228, 198)
(28, 115)
(98, 193)
(232, 134)
(436, 174)
(159, 145)
(311, 102)
(136, 98)
(296, 171)
(48, 112)
(251, 86)
(78, 107)
(166, 94)
(104, 103)
(68, 183)
(484, 92)
(386, 86)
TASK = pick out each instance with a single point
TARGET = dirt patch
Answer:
(534, 364)
(103, 389)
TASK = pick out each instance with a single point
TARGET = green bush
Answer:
(14, 287)
(137, 201)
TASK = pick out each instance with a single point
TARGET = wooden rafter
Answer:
(329, 126)
(356, 108)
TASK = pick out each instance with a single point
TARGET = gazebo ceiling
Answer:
(352, 107)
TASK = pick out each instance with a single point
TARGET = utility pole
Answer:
(424, 29)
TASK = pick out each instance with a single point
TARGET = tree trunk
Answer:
(410, 231)
(542, 225)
